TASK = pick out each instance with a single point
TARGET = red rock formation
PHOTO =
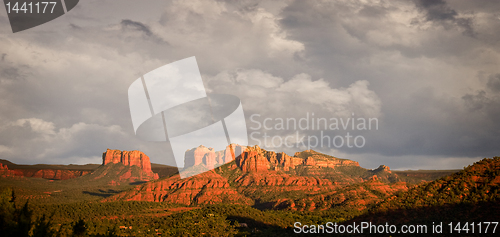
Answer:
(274, 179)
(58, 174)
(231, 152)
(253, 160)
(209, 158)
(317, 159)
(129, 158)
(257, 159)
(309, 161)
(383, 168)
(205, 188)
(202, 156)
(358, 196)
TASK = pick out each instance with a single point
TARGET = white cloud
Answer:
(5, 149)
(37, 125)
(269, 95)
(76, 144)
(64, 83)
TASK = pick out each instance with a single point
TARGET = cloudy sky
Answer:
(427, 70)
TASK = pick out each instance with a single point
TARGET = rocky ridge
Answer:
(255, 159)
(5, 172)
(45, 173)
(51, 173)
(206, 188)
(129, 158)
(263, 178)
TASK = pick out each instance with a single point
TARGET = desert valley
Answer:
(260, 192)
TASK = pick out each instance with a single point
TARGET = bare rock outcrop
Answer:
(266, 178)
(254, 160)
(205, 188)
(5, 172)
(56, 174)
(129, 158)
(210, 158)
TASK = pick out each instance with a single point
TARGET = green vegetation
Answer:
(315, 154)
(148, 219)
(473, 184)
(164, 170)
(161, 170)
(87, 167)
(74, 207)
(419, 176)
(469, 195)
(91, 187)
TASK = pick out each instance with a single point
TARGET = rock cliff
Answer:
(129, 158)
(205, 188)
(58, 174)
(262, 178)
(45, 173)
(256, 159)
(5, 172)
(210, 158)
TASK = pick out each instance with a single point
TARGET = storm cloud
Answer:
(428, 70)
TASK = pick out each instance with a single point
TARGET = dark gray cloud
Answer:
(11, 73)
(406, 59)
(131, 26)
(439, 11)
(136, 26)
(494, 83)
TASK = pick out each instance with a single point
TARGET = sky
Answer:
(428, 71)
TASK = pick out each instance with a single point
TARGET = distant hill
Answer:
(53, 172)
(307, 181)
(63, 172)
(120, 171)
(417, 176)
(164, 170)
(472, 194)
(6, 162)
(14, 166)
(260, 193)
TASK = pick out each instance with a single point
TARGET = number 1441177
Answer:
(484, 227)
(23, 7)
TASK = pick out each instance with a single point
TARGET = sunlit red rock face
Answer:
(5, 172)
(265, 178)
(202, 155)
(256, 159)
(205, 188)
(51, 173)
(313, 158)
(210, 158)
(358, 196)
(129, 158)
(119, 174)
(59, 174)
